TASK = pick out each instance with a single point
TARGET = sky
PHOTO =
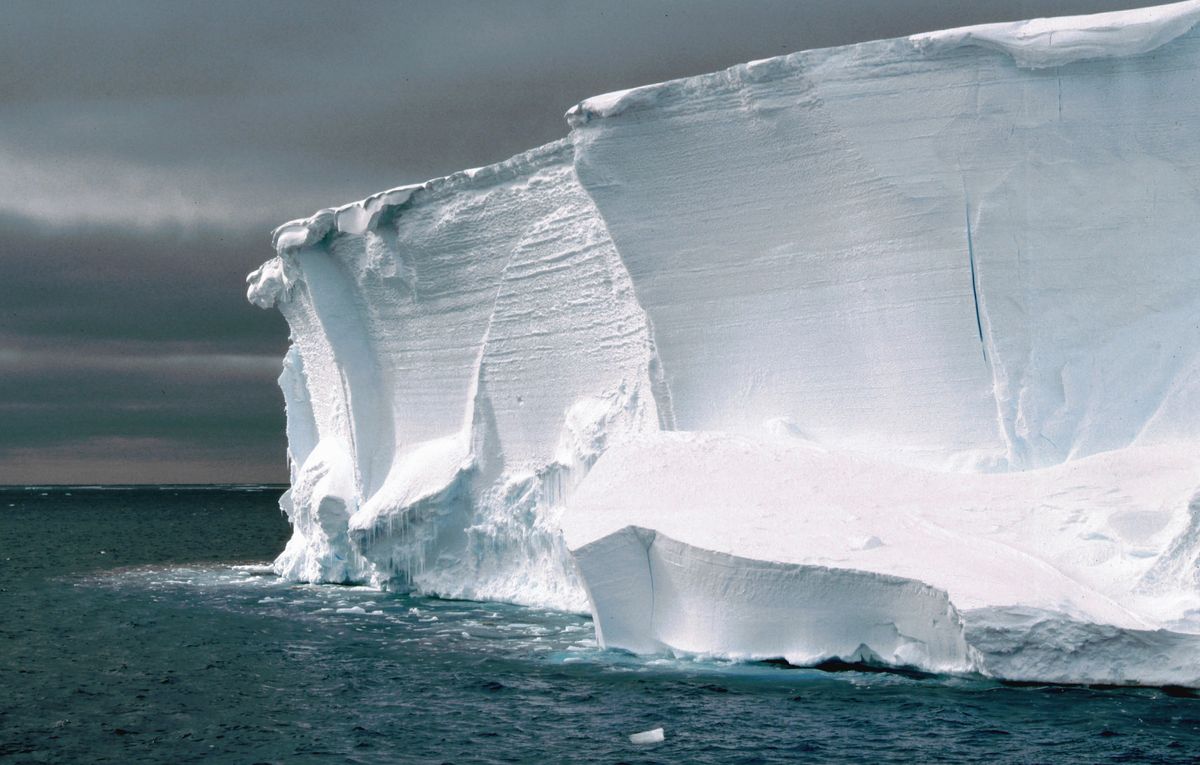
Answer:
(147, 149)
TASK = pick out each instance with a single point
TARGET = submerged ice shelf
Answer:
(880, 353)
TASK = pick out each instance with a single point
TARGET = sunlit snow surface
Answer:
(881, 353)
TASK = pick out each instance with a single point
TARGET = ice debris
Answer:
(653, 736)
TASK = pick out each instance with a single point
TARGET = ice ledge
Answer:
(356, 217)
(1042, 43)
(727, 545)
(366, 214)
(1032, 44)
(651, 593)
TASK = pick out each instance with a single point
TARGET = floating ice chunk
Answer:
(254, 569)
(652, 736)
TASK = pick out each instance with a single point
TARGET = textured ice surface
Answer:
(883, 353)
(467, 356)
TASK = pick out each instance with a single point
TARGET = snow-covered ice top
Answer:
(885, 352)
(1042, 43)
(365, 214)
(1032, 44)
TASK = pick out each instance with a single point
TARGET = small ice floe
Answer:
(647, 737)
(352, 610)
(254, 569)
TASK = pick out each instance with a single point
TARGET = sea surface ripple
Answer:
(144, 625)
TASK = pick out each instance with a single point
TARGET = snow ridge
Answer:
(1044, 43)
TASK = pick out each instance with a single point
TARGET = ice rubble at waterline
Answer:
(884, 353)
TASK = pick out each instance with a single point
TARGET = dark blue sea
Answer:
(143, 625)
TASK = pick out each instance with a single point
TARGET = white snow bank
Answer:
(1042, 43)
(960, 292)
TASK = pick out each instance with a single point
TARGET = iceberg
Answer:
(884, 354)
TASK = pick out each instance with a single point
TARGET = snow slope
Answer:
(884, 353)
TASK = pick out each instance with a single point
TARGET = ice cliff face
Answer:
(887, 353)
(463, 352)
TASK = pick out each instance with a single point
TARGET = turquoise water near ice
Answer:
(142, 625)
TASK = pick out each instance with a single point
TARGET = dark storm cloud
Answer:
(95, 284)
(203, 397)
(136, 345)
(137, 409)
(147, 148)
(40, 409)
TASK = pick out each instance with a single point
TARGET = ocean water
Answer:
(142, 625)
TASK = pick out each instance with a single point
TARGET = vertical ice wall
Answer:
(973, 251)
(918, 248)
(464, 351)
